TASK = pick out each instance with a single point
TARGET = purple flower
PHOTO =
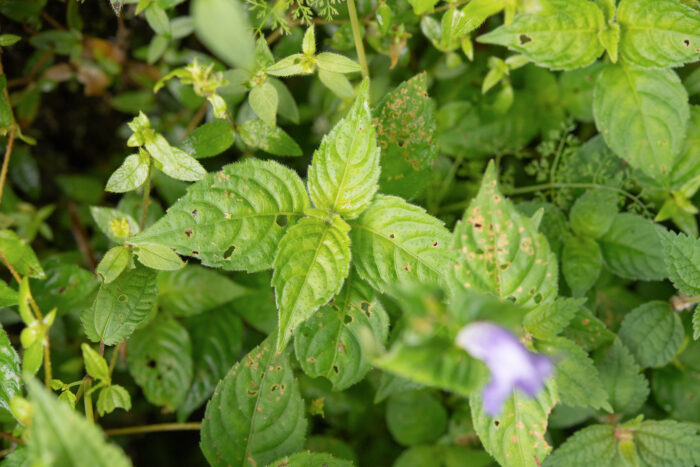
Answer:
(510, 363)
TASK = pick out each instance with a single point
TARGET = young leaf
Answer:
(120, 306)
(394, 242)
(209, 140)
(113, 263)
(593, 445)
(632, 249)
(234, 218)
(658, 33)
(263, 100)
(73, 441)
(594, 212)
(345, 169)
(273, 140)
(174, 162)
(337, 83)
(223, 27)
(95, 364)
(312, 261)
(329, 343)
(160, 361)
(653, 333)
(130, 175)
(20, 255)
(405, 123)
(336, 63)
(256, 414)
(10, 385)
(115, 224)
(642, 115)
(158, 257)
(682, 257)
(560, 34)
(500, 250)
(216, 337)
(581, 263)
(111, 398)
(622, 378)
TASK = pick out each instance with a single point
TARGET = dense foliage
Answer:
(362, 232)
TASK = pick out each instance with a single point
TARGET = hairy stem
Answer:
(88, 400)
(354, 22)
(154, 428)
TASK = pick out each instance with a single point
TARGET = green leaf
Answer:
(588, 331)
(222, 26)
(311, 459)
(111, 398)
(130, 175)
(256, 414)
(609, 36)
(10, 385)
(642, 115)
(667, 442)
(658, 33)
(548, 321)
(687, 164)
(415, 417)
(158, 257)
(115, 224)
(308, 44)
(67, 287)
(312, 261)
(217, 337)
(120, 306)
(422, 6)
(594, 212)
(7, 40)
(59, 436)
(8, 295)
(576, 378)
(653, 333)
(336, 63)
(113, 263)
(209, 140)
(32, 358)
(234, 218)
(682, 258)
(273, 140)
(337, 83)
(593, 445)
(696, 324)
(263, 100)
(160, 361)
(676, 392)
(405, 123)
(581, 263)
(576, 89)
(95, 364)
(20, 255)
(174, 162)
(516, 437)
(394, 242)
(500, 250)
(622, 378)
(345, 168)
(475, 13)
(560, 34)
(632, 249)
(329, 343)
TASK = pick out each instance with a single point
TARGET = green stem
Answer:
(154, 428)
(115, 356)
(88, 401)
(359, 47)
(146, 197)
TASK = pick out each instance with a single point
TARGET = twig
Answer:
(6, 160)
(194, 426)
(196, 120)
(81, 237)
(9, 437)
(359, 46)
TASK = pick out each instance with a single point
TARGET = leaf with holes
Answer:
(500, 250)
(653, 333)
(405, 123)
(560, 34)
(121, 306)
(10, 385)
(642, 114)
(312, 261)
(622, 378)
(329, 344)
(217, 337)
(234, 218)
(256, 414)
(160, 361)
(658, 33)
(345, 168)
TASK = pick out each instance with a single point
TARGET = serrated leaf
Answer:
(209, 140)
(217, 337)
(594, 212)
(95, 364)
(115, 224)
(622, 378)
(222, 26)
(73, 441)
(632, 249)
(676, 390)
(312, 261)
(160, 361)
(256, 414)
(120, 306)
(20, 255)
(10, 384)
(345, 168)
(158, 257)
(130, 175)
(415, 417)
(658, 33)
(329, 344)
(311, 459)
(405, 123)
(687, 164)
(234, 218)
(501, 252)
(561, 34)
(174, 162)
(588, 331)
(581, 263)
(642, 114)
(516, 437)
(394, 242)
(593, 445)
(667, 443)
(111, 398)
(682, 257)
(113, 263)
(263, 100)
(653, 333)
(548, 321)
(274, 140)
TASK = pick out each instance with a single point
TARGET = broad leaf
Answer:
(95, 364)
(20, 255)
(548, 321)
(653, 333)
(256, 414)
(209, 140)
(223, 27)
(329, 343)
(10, 384)
(676, 391)
(642, 115)
(113, 263)
(160, 360)
(8, 295)
(415, 417)
(581, 263)
(594, 212)
(667, 443)
(687, 164)
(263, 100)
(345, 169)
(588, 331)
(682, 258)
(593, 445)
(394, 242)
(311, 459)
(560, 34)
(658, 33)
(274, 140)
(234, 218)
(622, 378)
(174, 162)
(115, 224)
(67, 287)
(130, 175)
(120, 306)
(312, 261)
(158, 257)
(111, 398)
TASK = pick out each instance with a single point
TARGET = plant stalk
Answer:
(154, 428)
(357, 35)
